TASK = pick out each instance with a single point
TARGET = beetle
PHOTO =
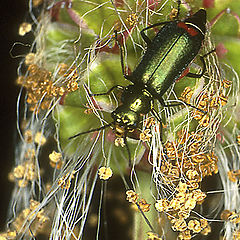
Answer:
(166, 60)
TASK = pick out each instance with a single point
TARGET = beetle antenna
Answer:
(145, 218)
(178, 8)
(92, 130)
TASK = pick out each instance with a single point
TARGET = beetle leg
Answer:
(108, 92)
(198, 75)
(145, 37)
(125, 75)
(160, 99)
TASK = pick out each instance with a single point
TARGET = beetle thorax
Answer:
(135, 102)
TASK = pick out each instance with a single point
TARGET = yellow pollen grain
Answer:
(55, 159)
(145, 207)
(105, 173)
(28, 136)
(132, 196)
(119, 142)
(162, 205)
(40, 139)
(30, 58)
(24, 28)
(153, 236)
(234, 175)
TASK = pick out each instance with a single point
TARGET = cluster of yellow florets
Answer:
(231, 216)
(41, 89)
(27, 172)
(132, 19)
(206, 101)
(65, 181)
(132, 197)
(179, 209)
(234, 175)
(146, 135)
(105, 173)
(55, 160)
(31, 215)
(184, 156)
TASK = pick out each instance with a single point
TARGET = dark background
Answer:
(12, 14)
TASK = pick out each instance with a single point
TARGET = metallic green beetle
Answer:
(166, 59)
